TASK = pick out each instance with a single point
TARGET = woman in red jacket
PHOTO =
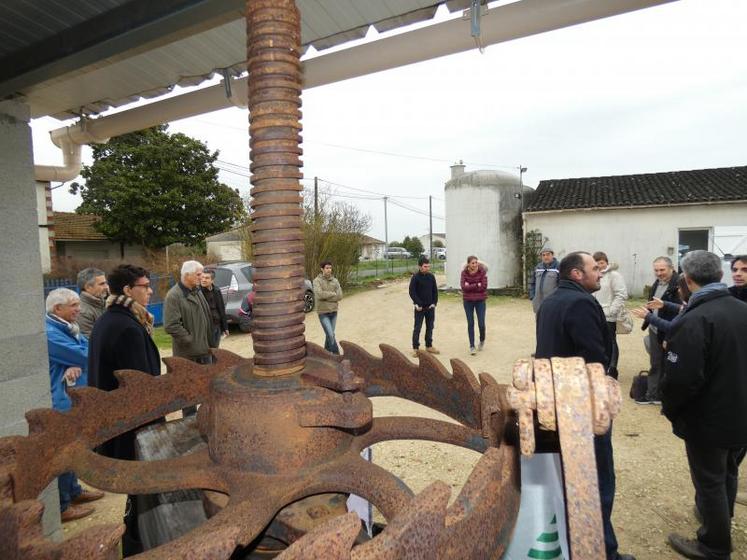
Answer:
(474, 285)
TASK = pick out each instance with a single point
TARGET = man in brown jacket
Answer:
(186, 317)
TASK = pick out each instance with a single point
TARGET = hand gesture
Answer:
(418, 308)
(655, 303)
(640, 312)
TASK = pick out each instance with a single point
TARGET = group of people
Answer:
(695, 342)
(107, 327)
(698, 370)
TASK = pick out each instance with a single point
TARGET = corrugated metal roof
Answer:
(187, 60)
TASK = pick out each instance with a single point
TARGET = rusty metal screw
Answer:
(273, 51)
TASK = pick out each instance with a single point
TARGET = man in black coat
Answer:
(424, 296)
(704, 395)
(665, 289)
(214, 298)
(739, 276)
(121, 339)
(570, 322)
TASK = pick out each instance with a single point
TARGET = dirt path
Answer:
(654, 492)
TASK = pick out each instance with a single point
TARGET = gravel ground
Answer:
(654, 492)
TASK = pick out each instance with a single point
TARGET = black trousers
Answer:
(714, 472)
(429, 315)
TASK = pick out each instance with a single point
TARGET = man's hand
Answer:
(72, 374)
(418, 308)
(640, 312)
(432, 306)
(225, 333)
(655, 303)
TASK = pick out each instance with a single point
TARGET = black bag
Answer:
(639, 386)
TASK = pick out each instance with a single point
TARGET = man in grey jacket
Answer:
(186, 317)
(327, 292)
(544, 280)
(93, 292)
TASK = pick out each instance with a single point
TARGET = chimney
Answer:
(457, 169)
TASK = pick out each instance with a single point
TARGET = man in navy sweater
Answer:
(424, 295)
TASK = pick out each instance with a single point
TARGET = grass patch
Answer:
(162, 340)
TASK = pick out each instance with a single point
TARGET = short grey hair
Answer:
(60, 296)
(188, 267)
(87, 276)
(665, 260)
(702, 267)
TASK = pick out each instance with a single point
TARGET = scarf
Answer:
(142, 315)
(707, 289)
(73, 328)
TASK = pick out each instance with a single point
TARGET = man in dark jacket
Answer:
(739, 276)
(704, 395)
(424, 296)
(572, 323)
(121, 339)
(214, 299)
(665, 289)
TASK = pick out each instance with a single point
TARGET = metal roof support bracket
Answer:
(475, 13)
(236, 100)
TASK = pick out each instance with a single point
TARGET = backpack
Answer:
(639, 386)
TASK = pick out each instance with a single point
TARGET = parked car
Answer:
(234, 279)
(397, 253)
(438, 253)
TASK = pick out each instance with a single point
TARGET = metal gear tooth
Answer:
(132, 378)
(82, 397)
(463, 375)
(315, 351)
(179, 366)
(486, 380)
(391, 356)
(226, 358)
(331, 541)
(41, 419)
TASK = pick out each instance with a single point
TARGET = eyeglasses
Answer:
(146, 285)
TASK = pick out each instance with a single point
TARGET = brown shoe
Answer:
(432, 350)
(88, 496)
(74, 512)
(415, 353)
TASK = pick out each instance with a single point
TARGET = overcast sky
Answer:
(660, 89)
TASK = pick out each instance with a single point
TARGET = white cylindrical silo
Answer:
(483, 218)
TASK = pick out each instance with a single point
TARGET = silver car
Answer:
(235, 282)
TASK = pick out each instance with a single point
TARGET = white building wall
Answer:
(43, 221)
(631, 237)
(482, 219)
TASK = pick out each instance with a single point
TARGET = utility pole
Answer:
(430, 225)
(316, 199)
(386, 228)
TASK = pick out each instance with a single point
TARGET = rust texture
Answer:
(273, 51)
(284, 431)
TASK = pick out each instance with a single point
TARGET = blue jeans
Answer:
(606, 479)
(470, 307)
(328, 321)
(69, 488)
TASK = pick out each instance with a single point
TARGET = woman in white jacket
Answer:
(611, 296)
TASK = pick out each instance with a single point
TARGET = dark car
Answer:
(235, 282)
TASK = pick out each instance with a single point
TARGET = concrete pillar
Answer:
(24, 370)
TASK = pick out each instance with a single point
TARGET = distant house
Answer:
(227, 246)
(372, 248)
(425, 240)
(636, 218)
(75, 237)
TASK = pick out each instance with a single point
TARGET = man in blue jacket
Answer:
(68, 367)
(570, 323)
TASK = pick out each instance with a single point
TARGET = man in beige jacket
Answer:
(611, 296)
(327, 292)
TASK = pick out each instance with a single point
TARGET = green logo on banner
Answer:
(547, 545)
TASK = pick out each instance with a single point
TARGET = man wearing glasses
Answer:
(121, 339)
